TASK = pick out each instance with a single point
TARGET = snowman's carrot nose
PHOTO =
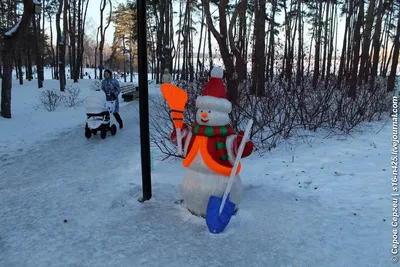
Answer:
(204, 115)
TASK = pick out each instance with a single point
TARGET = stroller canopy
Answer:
(95, 103)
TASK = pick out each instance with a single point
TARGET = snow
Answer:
(13, 29)
(69, 201)
(217, 72)
(30, 121)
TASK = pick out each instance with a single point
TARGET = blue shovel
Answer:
(221, 209)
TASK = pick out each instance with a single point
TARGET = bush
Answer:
(283, 111)
(71, 96)
(51, 99)
(96, 85)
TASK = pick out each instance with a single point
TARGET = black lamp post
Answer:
(144, 100)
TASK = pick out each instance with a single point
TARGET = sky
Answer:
(94, 14)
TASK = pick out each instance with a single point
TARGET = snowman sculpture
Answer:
(210, 149)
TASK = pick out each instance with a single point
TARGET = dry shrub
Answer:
(51, 99)
(280, 113)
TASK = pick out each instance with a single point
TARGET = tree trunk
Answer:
(342, 62)
(332, 36)
(258, 72)
(336, 41)
(364, 66)
(73, 69)
(395, 58)
(167, 35)
(95, 53)
(271, 46)
(386, 40)
(9, 43)
(28, 59)
(131, 66)
(210, 53)
(178, 52)
(19, 65)
(356, 49)
(185, 35)
(39, 67)
(160, 29)
(53, 65)
(326, 46)
(241, 66)
(191, 48)
(199, 64)
(82, 49)
(300, 66)
(79, 55)
(6, 84)
(42, 48)
(63, 43)
(59, 43)
(103, 5)
(261, 52)
(243, 31)
(386, 63)
(202, 69)
(376, 42)
(317, 47)
(71, 47)
(221, 37)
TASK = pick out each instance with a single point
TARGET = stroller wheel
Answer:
(113, 129)
(103, 133)
(88, 133)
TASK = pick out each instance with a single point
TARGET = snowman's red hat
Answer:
(214, 95)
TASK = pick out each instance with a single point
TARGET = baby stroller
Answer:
(98, 109)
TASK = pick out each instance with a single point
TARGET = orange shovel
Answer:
(176, 99)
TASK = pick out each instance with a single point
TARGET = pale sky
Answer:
(94, 13)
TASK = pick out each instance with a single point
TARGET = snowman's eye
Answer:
(201, 111)
(209, 111)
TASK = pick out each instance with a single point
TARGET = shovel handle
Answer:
(236, 164)
(179, 140)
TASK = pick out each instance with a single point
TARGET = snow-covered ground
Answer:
(69, 201)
